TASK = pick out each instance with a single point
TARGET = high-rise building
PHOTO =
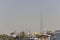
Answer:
(57, 34)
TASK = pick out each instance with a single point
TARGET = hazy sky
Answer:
(26, 15)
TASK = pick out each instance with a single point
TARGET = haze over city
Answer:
(26, 15)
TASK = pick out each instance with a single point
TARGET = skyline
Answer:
(25, 15)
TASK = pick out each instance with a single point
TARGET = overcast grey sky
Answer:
(25, 15)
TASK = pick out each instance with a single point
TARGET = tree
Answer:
(22, 35)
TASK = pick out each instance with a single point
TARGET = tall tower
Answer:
(41, 23)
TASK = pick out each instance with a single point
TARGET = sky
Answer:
(18, 15)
